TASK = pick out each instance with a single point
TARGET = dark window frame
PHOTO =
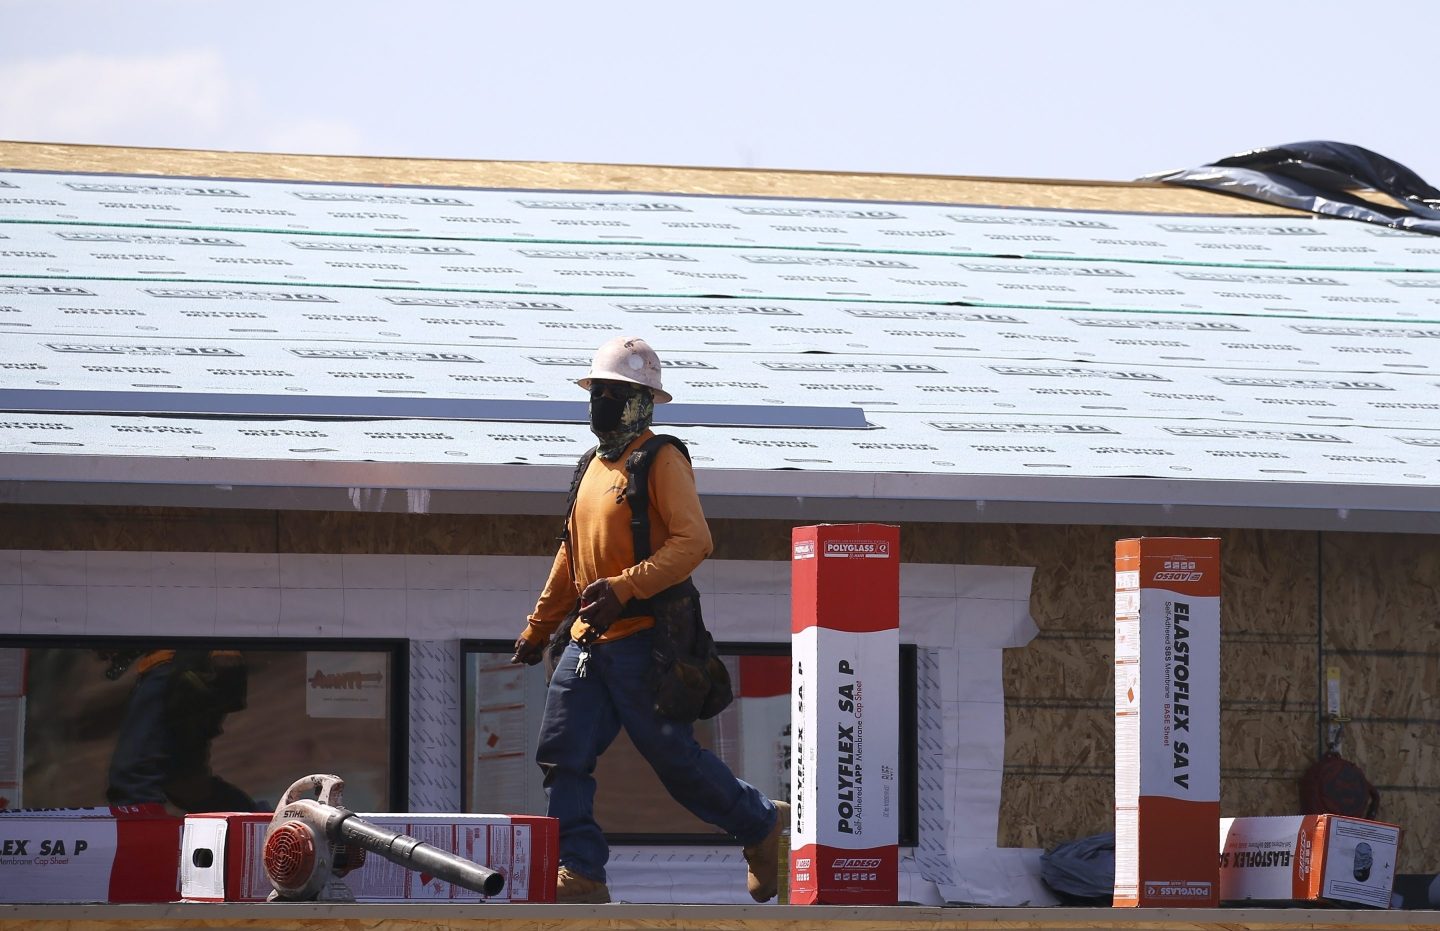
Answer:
(398, 650)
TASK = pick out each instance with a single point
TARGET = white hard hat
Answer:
(627, 358)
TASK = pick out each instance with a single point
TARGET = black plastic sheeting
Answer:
(1322, 177)
(1081, 871)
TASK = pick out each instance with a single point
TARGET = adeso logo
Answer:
(856, 863)
(1174, 576)
(805, 549)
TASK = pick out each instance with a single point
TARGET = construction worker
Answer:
(175, 710)
(603, 680)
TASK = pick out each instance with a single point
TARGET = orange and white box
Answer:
(125, 853)
(1333, 859)
(222, 858)
(1167, 721)
(845, 714)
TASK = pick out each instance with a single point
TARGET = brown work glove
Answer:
(527, 652)
(599, 606)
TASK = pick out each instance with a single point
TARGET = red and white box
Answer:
(126, 853)
(1308, 859)
(1167, 721)
(845, 714)
(222, 859)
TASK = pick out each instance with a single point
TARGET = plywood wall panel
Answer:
(1398, 686)
(1395, 755)
(1074, 584)
(754, 539)
(1063, 737)
(1248, 794)
(182, 530)
(1415, 811)
(1269, 582)
(1381, 591)
(1259, 742)
(1062, 667)
(1042, 809)
(1275, 674)
(421, 534)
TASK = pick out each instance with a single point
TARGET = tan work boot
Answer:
(763, 859)
(574, 889)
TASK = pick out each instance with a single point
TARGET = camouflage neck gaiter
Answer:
(618, 416)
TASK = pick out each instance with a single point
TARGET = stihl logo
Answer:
(856, 863)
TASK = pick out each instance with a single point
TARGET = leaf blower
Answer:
(313, 842)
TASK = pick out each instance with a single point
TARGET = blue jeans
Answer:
(583, 714)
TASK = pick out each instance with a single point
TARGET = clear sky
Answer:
(1020, 88)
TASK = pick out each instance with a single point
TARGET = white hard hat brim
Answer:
(661, 395)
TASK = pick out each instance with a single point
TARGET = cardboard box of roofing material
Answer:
(844, 709)
(223, 857)
(1167, 721)
(126, 853)
(1330, 859)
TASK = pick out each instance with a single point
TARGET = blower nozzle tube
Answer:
(415, 854)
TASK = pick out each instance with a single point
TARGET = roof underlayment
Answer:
(223, 342)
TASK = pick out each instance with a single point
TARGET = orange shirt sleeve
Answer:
(556, 599)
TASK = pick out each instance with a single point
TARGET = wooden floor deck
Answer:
(335, 917)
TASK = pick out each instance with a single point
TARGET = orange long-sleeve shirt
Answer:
(601, 546)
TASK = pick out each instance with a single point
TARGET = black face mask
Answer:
(619, 412)
(606, 406)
